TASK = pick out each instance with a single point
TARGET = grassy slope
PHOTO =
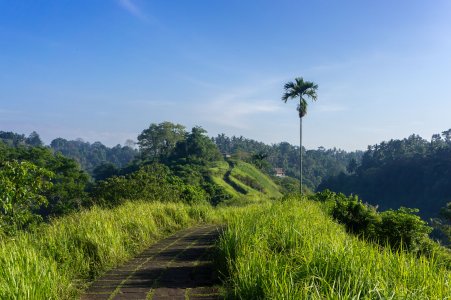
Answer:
(46, 264)
(284, 250)
(269, 187)
(239, 170)
(293, 250)
(217, 176)
(76, 248)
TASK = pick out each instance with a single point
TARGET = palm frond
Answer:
(290, 94)
(300, 88)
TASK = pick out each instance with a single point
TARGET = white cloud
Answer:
(234, 109)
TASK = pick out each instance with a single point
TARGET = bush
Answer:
(359, 218)
(399, 229)
(153, 182)
(192, 194)
(402, 228)
(22, 185)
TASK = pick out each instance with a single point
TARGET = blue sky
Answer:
(104, 70)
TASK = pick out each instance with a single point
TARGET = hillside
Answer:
(243, 180)
(412, 172)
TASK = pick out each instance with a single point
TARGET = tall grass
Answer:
(293, 250)
(56, 260)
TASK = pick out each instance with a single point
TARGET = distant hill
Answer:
(243, 180)
(412, 172)
(319, 164)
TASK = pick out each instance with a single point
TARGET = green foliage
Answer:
(400, 229)
(216, 192)
(69, 181)
(403, 229)
(104, 171)
(443, 223)
(158, 141)
(89, 156)
(359, 218)
(68, 192)
(293, 250)
(22, 185)
(153, 182)
(410, 172)
(288, 185)
(194, 194)
(197, 148)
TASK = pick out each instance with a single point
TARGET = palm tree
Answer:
(293, 90)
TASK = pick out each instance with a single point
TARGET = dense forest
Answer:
(412, 172)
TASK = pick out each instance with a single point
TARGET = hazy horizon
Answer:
(103, 71)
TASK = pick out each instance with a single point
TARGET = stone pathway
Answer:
(178, 267)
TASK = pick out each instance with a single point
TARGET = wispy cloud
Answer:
(235, 108)
(235, 113)
(133, 9)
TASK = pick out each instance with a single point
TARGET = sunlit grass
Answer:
(57, 260)
(293, 250)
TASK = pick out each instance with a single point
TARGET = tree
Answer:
(22, 187)
(158, 141)
(302, 89)
(352, 166)
(34, 140)
(197, 148)
(104, 171)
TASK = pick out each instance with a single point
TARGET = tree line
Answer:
(409, 172)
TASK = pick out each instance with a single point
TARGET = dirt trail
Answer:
(178, 267)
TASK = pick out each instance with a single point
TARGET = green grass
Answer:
(57, 260)
(240, 170)
(245, 169)
(270, 250)
(293, 250)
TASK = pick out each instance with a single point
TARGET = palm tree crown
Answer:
(300, 88)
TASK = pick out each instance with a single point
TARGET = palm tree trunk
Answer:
(300, 156)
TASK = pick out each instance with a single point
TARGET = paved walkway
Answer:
(178, 267)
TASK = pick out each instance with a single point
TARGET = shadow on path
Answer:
(178, 267)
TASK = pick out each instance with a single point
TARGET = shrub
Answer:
(153, 182)
(359, 218)
(402, 228)
(21, 187)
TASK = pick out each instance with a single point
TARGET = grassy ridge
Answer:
(293, 250)
(245, 181)
(249, 171)
(58, 259)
